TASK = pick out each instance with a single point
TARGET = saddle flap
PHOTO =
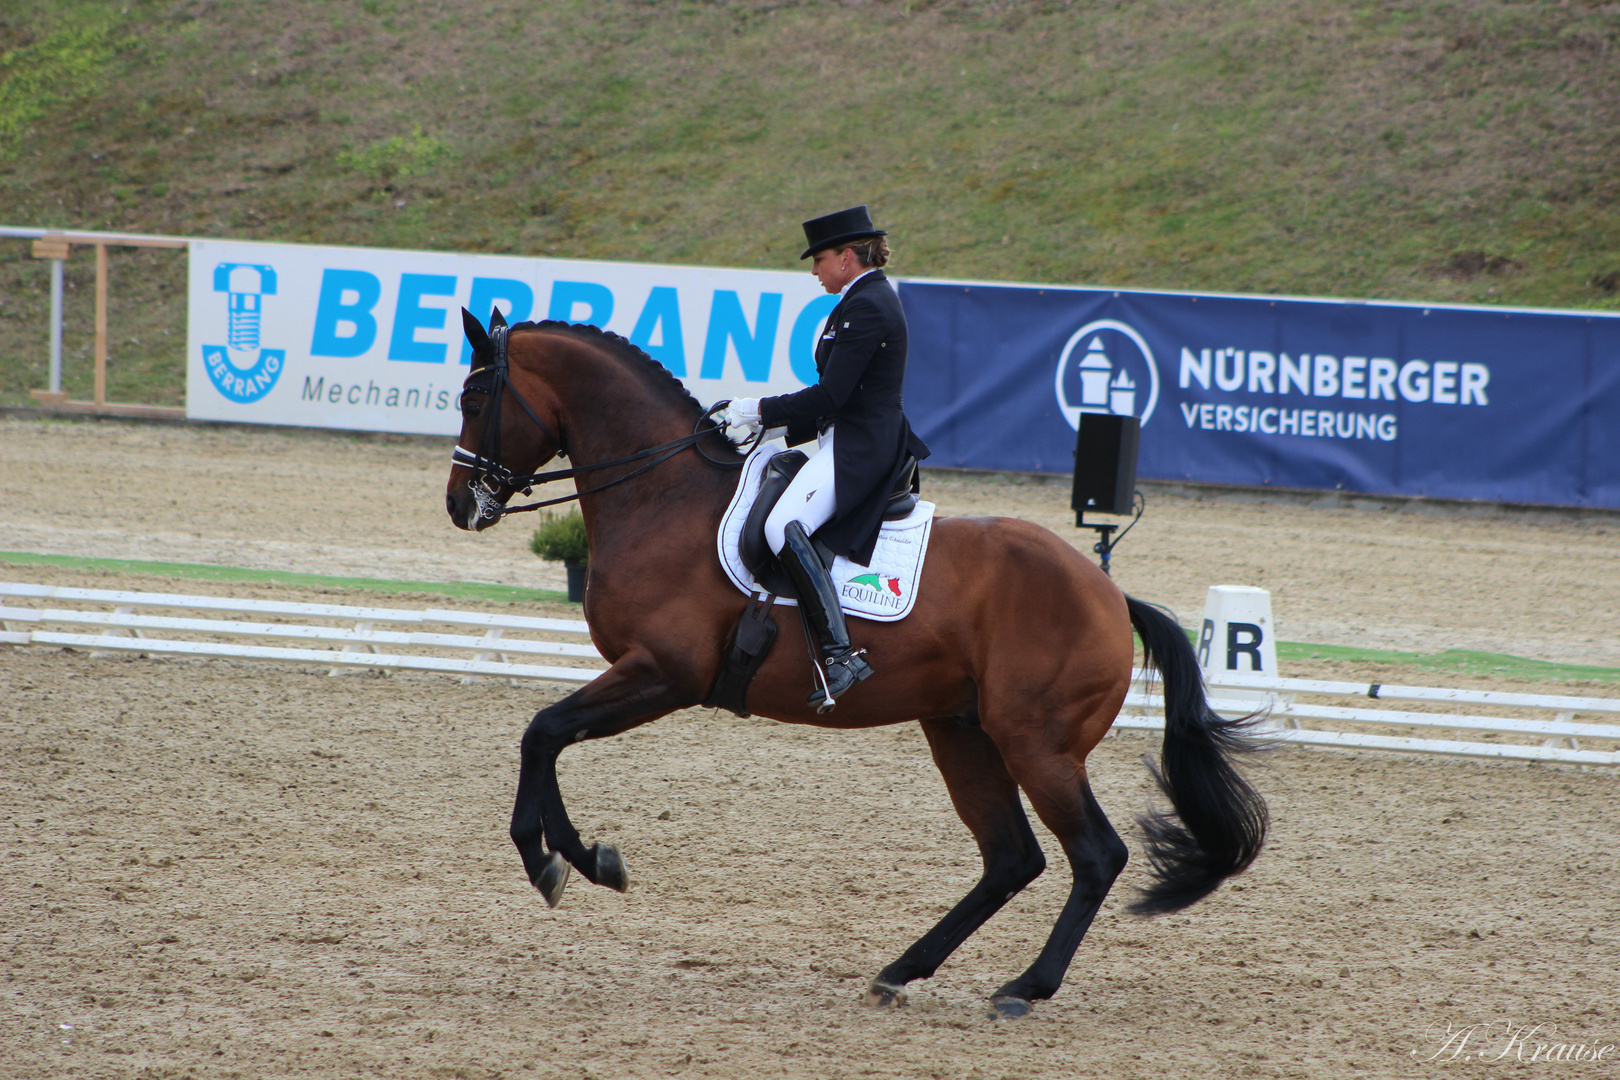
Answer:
(779, 473)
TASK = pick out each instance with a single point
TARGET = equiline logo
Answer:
(874, 591)
(878, 582)
(1107, 367)
(240, 369)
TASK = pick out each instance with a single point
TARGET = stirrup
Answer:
(836, 676)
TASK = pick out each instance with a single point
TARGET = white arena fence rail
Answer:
(352, 637)
(1279, 701)
(356, 645)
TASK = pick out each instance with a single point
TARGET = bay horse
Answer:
(1014, 662)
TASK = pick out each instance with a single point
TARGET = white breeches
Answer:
(810, 499)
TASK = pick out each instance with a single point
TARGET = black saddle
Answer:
(779, 473)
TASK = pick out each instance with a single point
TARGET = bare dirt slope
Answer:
(216, 869)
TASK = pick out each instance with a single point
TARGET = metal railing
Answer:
(56, 245)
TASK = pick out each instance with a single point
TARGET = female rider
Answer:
(865, 440)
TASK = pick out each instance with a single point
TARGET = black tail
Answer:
(1220, 821)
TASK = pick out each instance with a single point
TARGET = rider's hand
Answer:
(740, 413)
(744, 412)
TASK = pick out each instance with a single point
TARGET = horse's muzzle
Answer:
(466, 512)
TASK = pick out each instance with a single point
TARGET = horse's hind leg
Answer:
(987, 801)
(1058, 790)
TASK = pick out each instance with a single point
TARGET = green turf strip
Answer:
(469, 590)
(1463, 661)
(1459, 661)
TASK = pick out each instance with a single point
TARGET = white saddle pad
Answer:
(883, 591)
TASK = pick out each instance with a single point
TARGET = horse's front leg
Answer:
(630, 693)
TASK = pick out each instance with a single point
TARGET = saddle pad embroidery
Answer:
(885, 591)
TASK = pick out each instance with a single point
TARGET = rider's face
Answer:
(834, 268)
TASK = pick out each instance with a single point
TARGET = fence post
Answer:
(54, 248)
(101, 324)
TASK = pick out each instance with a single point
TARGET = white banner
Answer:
(371, 340)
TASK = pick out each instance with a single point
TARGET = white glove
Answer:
(741, 413)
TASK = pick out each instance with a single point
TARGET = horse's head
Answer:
(507, 433)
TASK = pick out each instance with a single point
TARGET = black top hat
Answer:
(852, 224)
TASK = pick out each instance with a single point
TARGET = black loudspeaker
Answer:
(1105, 464)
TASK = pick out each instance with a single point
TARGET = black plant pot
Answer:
(576, 580)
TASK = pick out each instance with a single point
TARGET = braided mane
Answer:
(655, 374)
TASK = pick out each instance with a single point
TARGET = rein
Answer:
(489, 473)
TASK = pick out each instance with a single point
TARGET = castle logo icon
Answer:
(1107, 367)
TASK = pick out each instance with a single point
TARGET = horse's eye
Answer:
(471, 408)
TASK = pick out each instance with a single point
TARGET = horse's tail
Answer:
(1220, 821)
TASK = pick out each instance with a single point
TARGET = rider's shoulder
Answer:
(873, 283)
(877, 298)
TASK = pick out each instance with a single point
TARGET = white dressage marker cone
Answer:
(1236, 637)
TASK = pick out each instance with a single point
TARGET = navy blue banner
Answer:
(1447, 402)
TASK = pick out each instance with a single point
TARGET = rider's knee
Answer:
(776, 533)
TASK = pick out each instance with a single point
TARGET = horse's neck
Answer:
(611, 418)
(605, 419)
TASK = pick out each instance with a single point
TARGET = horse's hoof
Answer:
(882, 995)
(552, 879)
(610, 870)
(1007, 1007)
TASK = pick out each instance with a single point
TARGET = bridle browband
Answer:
(489, 473)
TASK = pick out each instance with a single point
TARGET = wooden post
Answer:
(101, 324)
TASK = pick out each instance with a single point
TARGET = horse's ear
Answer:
(476, 337)
(496, 319)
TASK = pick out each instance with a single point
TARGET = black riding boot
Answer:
(842, 666)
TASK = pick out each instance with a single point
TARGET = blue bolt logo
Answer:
(245, 283)
(244, 379)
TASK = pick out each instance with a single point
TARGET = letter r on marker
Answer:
(1243, 639)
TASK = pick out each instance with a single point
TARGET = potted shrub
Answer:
(561, 537)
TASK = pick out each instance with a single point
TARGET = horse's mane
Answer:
(654, 374)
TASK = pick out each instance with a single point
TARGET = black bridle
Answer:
(488, 472)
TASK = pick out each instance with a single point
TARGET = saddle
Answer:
(779, 473)
(755, 632)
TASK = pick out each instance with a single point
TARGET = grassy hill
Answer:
(1404, 149)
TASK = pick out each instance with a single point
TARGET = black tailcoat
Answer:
(862, 360)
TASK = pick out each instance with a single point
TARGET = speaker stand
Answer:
(1106, 540)
(1104, 547)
